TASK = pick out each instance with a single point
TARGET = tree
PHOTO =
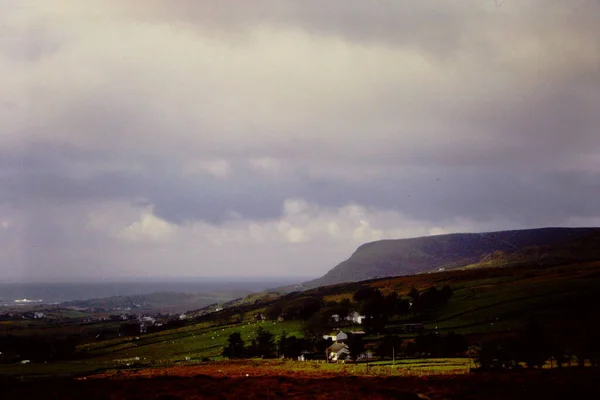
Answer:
(429, 344)
(534, 348)
(375, 313)
(263, 345)
(303, 308)
(235, 346)
(129, 329)
(242, 316)
(454, 344)
(316, 326)
(282, 343)
(356, 346)
(345, 307)
(446, 293)
(274, 311)
(372, 304)
(389, 346)
(367, 293)
(290, 346)
(321, 345)
(413, 294)
(403, 307)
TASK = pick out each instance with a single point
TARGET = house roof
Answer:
(336, 347)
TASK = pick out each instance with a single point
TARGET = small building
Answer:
(355, 317)
(337, 351)
(337, 336)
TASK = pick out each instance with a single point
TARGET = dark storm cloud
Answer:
(436, 194)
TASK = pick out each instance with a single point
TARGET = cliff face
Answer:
(416, 255)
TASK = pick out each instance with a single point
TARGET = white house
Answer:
(337, 351)
(338, 336)
(356, 317)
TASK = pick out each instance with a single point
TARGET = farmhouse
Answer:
(337, 351)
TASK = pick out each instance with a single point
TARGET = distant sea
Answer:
(58, 292)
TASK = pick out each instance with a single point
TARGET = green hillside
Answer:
(485, 304)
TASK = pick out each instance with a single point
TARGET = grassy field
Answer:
(507, 297)
(195, 342)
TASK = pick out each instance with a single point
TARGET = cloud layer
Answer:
(220, 138)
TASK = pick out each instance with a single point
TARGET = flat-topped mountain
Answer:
(545, 246)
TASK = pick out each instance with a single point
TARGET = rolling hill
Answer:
(385, 258)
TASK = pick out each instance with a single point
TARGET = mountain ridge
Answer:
(393, 257)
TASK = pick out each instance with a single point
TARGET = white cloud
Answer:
(148, 227)
(310, 240)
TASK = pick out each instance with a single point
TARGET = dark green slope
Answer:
(385, 258)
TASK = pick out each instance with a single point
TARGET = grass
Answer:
(196, 342)
(512, 297)
(402, 367)
(55, 369)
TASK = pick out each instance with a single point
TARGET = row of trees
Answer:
(378, 309)
(533, 347)
(264, 345)
(367, 301)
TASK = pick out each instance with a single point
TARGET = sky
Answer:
(160, 138)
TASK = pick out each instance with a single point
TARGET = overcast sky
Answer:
(272, 137)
